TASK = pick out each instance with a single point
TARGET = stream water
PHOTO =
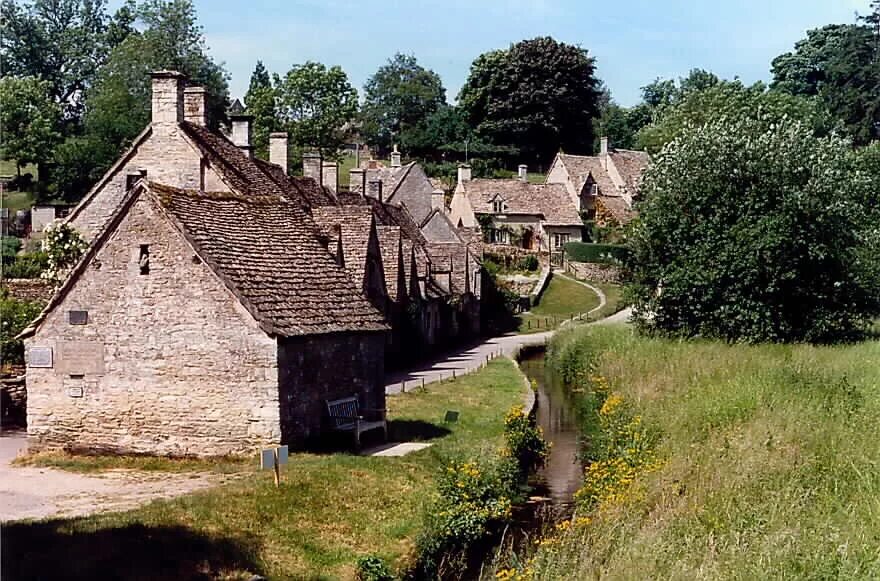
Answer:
(557, 416)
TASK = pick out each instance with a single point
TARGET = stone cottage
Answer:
(602, 187)
(209, 315)
(538, 217)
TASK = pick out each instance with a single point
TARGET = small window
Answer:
(78, 317)
(144, 259)
(498, 206)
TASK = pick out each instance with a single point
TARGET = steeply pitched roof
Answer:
(305, 190)
(390, 243)
(355, 224)
(630, 165)
(549, 201)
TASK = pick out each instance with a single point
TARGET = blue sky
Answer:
(634, 41)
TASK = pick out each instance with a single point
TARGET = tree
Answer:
(749, 232)
(400, 96)
(315, 104)
(538, 96)
(29, 121)
(63, 42)
(260, 102)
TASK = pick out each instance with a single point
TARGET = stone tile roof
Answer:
(549, 201)
(266, 249)
(631, 165)
(355, 224)
(304, 190)
(451, 257)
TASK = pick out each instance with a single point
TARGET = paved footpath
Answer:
(470, 358)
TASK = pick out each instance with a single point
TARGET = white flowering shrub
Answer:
(64, 246)
(752, 228)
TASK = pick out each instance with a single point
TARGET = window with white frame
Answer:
(498, 206)
(560, 240)
(498, 236)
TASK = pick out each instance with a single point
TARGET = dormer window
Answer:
(594, 189)
(498, 206)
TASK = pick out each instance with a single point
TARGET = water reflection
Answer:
(557, 416)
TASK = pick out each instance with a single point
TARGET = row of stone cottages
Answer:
(222, 302)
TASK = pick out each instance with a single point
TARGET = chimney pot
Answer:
(242, 129)
(278, 150)
(312, 166)
(464, 173)
(194, 110)
(603, 146)
(330, 175)
(395, 157)
(374, 189)
(166, 98)
(357, 181)
(523, 172)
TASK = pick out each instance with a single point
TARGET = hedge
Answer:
(586, 252)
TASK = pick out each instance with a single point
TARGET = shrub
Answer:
(9, 247)
(602, 253)
(64, 247)
(525, 441)
(373, 568)
(15, 315)
(31, 265)
(528, 262)
(752, 229)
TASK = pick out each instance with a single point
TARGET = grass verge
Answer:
(330, 510)
(563, 298)
(768, 462)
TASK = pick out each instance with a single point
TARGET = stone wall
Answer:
(167, 363)
(29, 289)
(318, 368)
(595, 272)
(13, 401)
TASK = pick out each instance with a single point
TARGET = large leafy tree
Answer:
(750, 231)
(316, 104)
(28, 120)
(260, 102)
(63, 42)
(538, 96)
(399, 97)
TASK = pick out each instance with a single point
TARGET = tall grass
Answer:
(770, 463)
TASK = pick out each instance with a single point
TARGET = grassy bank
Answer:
(767, 463)
(563, 298)
(330, 510)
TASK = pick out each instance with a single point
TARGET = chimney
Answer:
(242, 128)
(372, 164)
(603, 146)
(167, 98)
(464, 173)
(330, 175)
(438, 200)
(357, 181)
(374, 189)
(194, 106)
(395, 157)
(523, 172)
(278, 149)
(312, 166)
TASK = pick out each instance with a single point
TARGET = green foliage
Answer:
(373, 568)
(63, 246)
(9, 247)
(537, 96)
(524, 441)
(398, 98)
(15, 315)
(29, 265)
(315, 103)
(30, 120)
(260, 102)
(602, 253)
(528, 262)
(750, 232)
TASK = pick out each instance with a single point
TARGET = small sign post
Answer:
(273, 458)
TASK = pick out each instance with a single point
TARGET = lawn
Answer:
(330, 509)
(768, 467)
(563, 298)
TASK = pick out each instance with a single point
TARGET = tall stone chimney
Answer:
(330, 175)
(242, 128)
(523, 172)
(464, 173)
(278, 149)
(374, 189)
(603, 146)
(194, 109)
(166, 99)
(395, 157)
(312, 166)
(438, 200)
(357, 181)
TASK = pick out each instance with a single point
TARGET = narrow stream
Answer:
(557, 416)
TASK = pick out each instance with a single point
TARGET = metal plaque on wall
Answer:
(39, 357)
(81, 357)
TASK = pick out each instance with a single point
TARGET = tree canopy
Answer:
(538, 96)
(398, 98)
(750, 231)
(260, 102)
(29, 118)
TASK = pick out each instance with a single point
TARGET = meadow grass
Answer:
(562, 299)
(769, 463)
(330, 510)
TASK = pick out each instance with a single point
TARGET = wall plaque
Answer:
(78, 317)
(39, 357)
(80, 358)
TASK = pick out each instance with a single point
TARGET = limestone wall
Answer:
(168, 362)
(29, 289)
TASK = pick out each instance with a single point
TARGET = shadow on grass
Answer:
(51, 550)
(415, 430)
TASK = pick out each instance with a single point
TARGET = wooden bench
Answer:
(345, 416)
